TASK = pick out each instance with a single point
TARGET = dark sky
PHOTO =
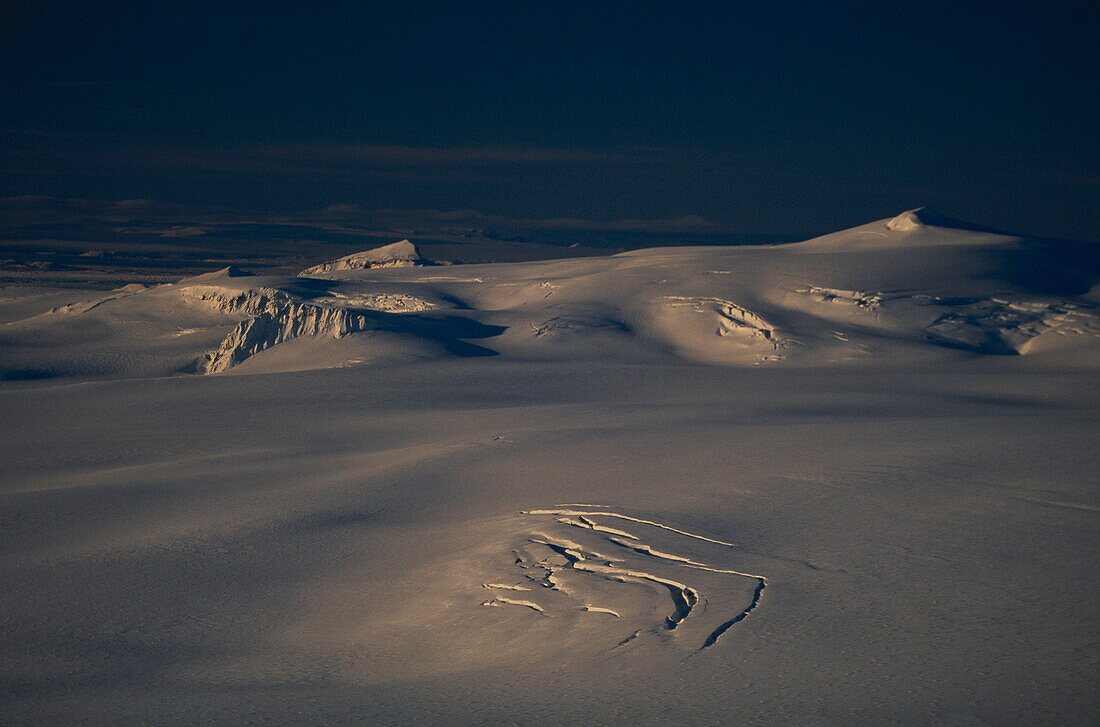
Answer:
(743, 118)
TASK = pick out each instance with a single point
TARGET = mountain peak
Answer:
(402, 253)
(916, 219)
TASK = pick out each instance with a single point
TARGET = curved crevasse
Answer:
(652, 570)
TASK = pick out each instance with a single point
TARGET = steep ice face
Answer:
(288, 321)
(274, 317)
(397, 255)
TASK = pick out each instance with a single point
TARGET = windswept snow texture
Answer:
(849, 480)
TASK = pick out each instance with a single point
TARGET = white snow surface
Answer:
(848, 480)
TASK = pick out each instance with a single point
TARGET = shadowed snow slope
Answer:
(814, 483)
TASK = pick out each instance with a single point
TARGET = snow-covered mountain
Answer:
(399, 254)
(915, 285)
